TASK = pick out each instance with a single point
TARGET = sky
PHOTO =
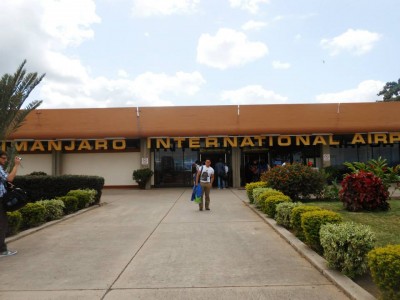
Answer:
(128, 53)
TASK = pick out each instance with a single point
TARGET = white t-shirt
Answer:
(206, 173)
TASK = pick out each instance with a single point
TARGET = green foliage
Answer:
(142, 176)
(378, 167)
(14, 222)
(295, 218)
(391, 91)
(384, 264)
(14, 90)
(261, 199)
(82, 196)
(54, 208)
(284, 211)
(311, 223)
(296, 181)
(364, 191)
(251, 186)
(346, 246)
(33, 214)
(51, 187)
(257, 193)
(272, 201)
(331, 192)
(334, 173)
(38, 173)
(70, 204)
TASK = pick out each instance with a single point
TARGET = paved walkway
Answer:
(155, 244)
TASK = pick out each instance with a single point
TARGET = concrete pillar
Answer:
(236, 160)
(56, 163)
(325, 156)
(145, 159)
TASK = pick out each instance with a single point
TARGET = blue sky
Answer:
(116, 53)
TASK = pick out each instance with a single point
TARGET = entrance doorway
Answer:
(254, 163)
(215, 156)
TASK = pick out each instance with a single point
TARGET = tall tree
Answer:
(391, 91)
(14, 90)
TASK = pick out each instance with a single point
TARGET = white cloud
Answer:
(146, 8)
(228, 48)
(276, 64)
(253, 25)
(357, 42)
(366, 91)
(251, 6)
(148, 89)
(252, 94)
(69, 21)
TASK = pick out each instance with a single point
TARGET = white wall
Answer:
(34, 163)
(116, 168)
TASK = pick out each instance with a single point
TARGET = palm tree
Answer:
(14, 90)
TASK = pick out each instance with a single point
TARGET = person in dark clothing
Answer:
(4, 177)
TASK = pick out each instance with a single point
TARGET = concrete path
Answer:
(156, 244)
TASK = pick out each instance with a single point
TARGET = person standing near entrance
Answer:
(220, 169)
(206, 178)
(4, 177)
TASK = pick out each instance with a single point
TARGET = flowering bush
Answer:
(295, 180)
(364, 191)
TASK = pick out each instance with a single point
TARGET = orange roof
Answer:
(135, 122)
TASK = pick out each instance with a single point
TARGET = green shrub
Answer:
(346, 246)
(272, 201)
(54, 208)
(92, 195)
(268, 193)
(384, 264)
(70, 204)
(364, 191)
(283, 212)
(51, 187)
(295, 218)
(296, 181)
(251, 186)
(82, 196)
(33, 214)
(331, 192)
(257, 193)
(311, 223)
(14, 222)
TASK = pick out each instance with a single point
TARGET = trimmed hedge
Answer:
(272, 201)
(33, 214)
(268, 193)
(257, 193)
(54, 208)
(82, 196)
(346, 246)
(311, 223)
(295, 219)
(384, 264)
(14, 222)
(283, 213)
(70, 203)
(50, 187)
(251, 186)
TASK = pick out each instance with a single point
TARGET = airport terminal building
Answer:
(113, 142)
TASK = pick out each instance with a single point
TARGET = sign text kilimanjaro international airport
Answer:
(269, 141)
(67, 145)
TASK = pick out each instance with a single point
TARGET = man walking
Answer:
(4, 177)
(206, 178)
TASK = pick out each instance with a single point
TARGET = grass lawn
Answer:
(385, 225)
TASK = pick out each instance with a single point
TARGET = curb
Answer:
(51, 223)
(349, 287)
